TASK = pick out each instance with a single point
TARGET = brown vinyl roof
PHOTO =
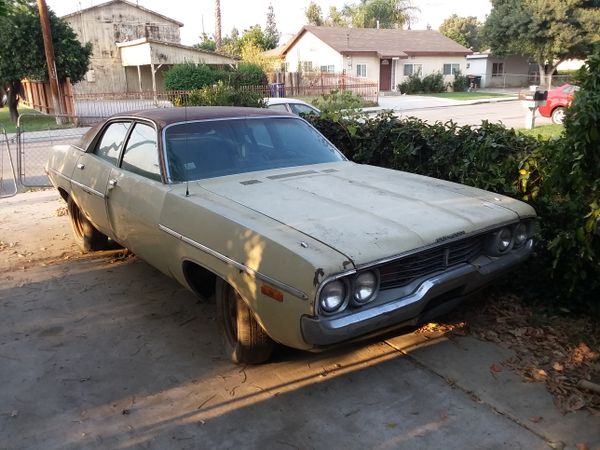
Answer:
(384, 42)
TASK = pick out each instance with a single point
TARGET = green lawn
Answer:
(545, 132)
(32, 121)
(466, 95)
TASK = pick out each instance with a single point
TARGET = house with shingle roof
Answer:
(386, 56)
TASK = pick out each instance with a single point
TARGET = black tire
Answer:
(245, 340)
(558, 115)
(86, 235)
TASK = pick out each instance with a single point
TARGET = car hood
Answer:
(368, 213)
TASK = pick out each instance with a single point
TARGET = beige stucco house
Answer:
(385, 56)
(132, 47)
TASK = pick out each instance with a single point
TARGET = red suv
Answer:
(558, 99)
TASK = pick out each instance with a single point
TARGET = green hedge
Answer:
(560, 178)
(183, 77)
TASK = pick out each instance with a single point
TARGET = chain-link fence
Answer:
(36, 134)
(8, 179)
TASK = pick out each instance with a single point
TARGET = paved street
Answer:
(103, 351)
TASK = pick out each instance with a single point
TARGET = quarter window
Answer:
(451, 69)
(361, 70)
(141, 152)
(112, 140)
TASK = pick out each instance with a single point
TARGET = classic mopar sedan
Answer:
(299, 245)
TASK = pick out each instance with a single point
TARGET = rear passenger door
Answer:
(92, 171)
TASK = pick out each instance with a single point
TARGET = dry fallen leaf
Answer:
(536, 419)
(494, 368)
(581, 446)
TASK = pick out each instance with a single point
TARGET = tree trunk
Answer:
(218, 24)
(13, 89)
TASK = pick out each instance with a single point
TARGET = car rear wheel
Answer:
(86, 235)
(245, 340)
(558, 115)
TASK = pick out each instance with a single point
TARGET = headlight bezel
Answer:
(355, 286)
(345, 300)
(523, 228)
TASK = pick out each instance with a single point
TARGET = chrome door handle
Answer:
(112, 183)
(81, 166)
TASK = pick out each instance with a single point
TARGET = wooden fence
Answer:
(38, 96)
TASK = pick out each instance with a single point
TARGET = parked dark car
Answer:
(558, 100)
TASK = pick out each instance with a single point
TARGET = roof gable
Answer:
(125, 2)
(383, 42)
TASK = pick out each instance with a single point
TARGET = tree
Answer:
(206, 43)
(313, 14)
(271, 33)
(231, 43)
(464, 30)
(379, 13)
(22, 50)
(548, 31)
(336, 18)
(218, 41)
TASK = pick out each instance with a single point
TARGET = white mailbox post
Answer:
(532, 100)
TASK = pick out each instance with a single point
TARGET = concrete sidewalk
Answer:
(399, 103)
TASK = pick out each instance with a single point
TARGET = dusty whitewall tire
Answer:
(245, 340)
(86, 235)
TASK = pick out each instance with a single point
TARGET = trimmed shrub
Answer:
(248, 74)
(414, 84)
(191, 76)
(222, 94)
(336, 103)
(460, 83)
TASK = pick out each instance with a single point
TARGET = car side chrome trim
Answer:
(61, 175)
(88, 189)
(253, 273)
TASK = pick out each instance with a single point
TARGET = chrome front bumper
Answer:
(432, 297)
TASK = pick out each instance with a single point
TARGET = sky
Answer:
(198, 15)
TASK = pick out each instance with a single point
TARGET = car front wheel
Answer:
(245, 340)
(86, 235)
(558, 115)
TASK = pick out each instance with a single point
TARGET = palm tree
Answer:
(218, 24)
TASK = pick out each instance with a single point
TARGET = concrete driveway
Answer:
(103, 351)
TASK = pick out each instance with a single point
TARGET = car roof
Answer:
(166, 116)
(280, 100)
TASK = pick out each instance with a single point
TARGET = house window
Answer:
(497, 69)
(451, 69)
(413, 69)
(306, 66)
(328, 69)
(361, 70)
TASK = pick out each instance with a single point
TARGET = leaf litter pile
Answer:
(559, 350)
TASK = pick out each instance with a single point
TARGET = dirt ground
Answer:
(103, 351)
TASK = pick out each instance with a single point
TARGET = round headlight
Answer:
(364, 287)
(504, 239)
(520, 234)
(333, 296)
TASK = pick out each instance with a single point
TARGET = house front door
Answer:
(385, 75)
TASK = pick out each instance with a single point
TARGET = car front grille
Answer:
(403, 271)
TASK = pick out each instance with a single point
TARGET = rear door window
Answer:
(110, 144)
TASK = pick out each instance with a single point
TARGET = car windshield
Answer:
(207, 149)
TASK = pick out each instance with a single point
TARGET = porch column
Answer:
(154, 80)
(139, 71)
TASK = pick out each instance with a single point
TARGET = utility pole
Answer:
(49, 50)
